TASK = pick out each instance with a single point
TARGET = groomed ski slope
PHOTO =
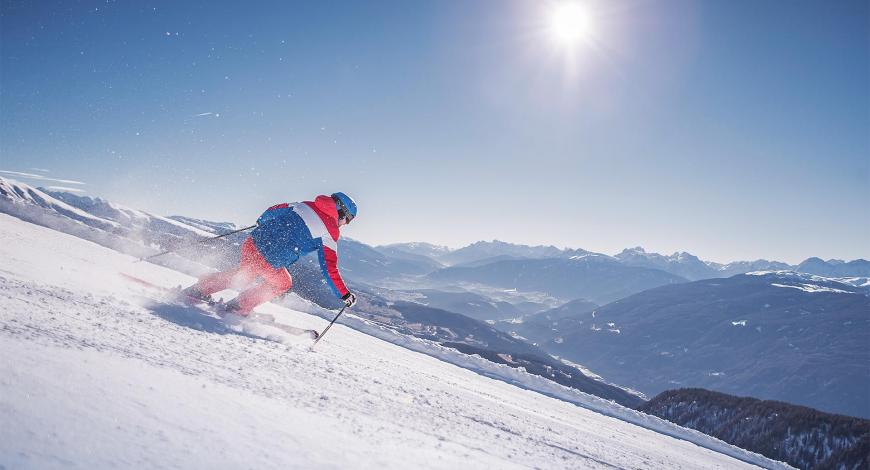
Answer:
(93, 374)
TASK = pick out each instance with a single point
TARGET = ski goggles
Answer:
(343, 213)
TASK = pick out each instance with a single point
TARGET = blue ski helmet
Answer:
(345, 206)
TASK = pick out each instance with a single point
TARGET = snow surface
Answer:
(806, 281)
(95, 373)
(812, 288)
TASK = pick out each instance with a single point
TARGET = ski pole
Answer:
(321, 335)
(195, 243)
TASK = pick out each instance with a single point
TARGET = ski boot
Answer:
(192, 295)
(232, 307)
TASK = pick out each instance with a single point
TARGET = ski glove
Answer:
(349, 299)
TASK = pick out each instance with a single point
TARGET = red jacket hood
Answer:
(325, 208)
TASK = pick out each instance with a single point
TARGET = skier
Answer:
(284, 233)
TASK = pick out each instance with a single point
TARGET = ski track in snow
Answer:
(94, 373)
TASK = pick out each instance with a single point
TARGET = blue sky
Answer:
(733, 130)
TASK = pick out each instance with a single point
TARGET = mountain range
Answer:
(681, 264)
(691, 267)
(774, 335)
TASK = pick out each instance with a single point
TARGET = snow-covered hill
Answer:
(94, 373)
(96, 212)
(133, 219)
(128, 230)
(13, 193)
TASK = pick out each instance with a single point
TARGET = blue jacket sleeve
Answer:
(271, 213)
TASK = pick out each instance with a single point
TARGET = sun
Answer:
(570, 23)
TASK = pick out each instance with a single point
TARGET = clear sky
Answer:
(730, 129)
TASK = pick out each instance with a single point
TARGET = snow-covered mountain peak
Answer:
(13, 190)
(683, 257)
(639, 253)
(631, 252)
(126, 216)
(20, 197)
(429, 250)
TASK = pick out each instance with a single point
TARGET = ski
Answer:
(269, 320)
(217, 308)
(173, 293)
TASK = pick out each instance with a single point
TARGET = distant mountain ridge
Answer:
(597, 278)
(417, 248)
(482, 250)
(371, 265)
(835, 268)
(743, 267)
(682, 264)
(691, 267)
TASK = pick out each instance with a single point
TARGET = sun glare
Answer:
(570, 23)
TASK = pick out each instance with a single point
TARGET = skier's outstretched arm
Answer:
(328, 257)
(271, 213)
